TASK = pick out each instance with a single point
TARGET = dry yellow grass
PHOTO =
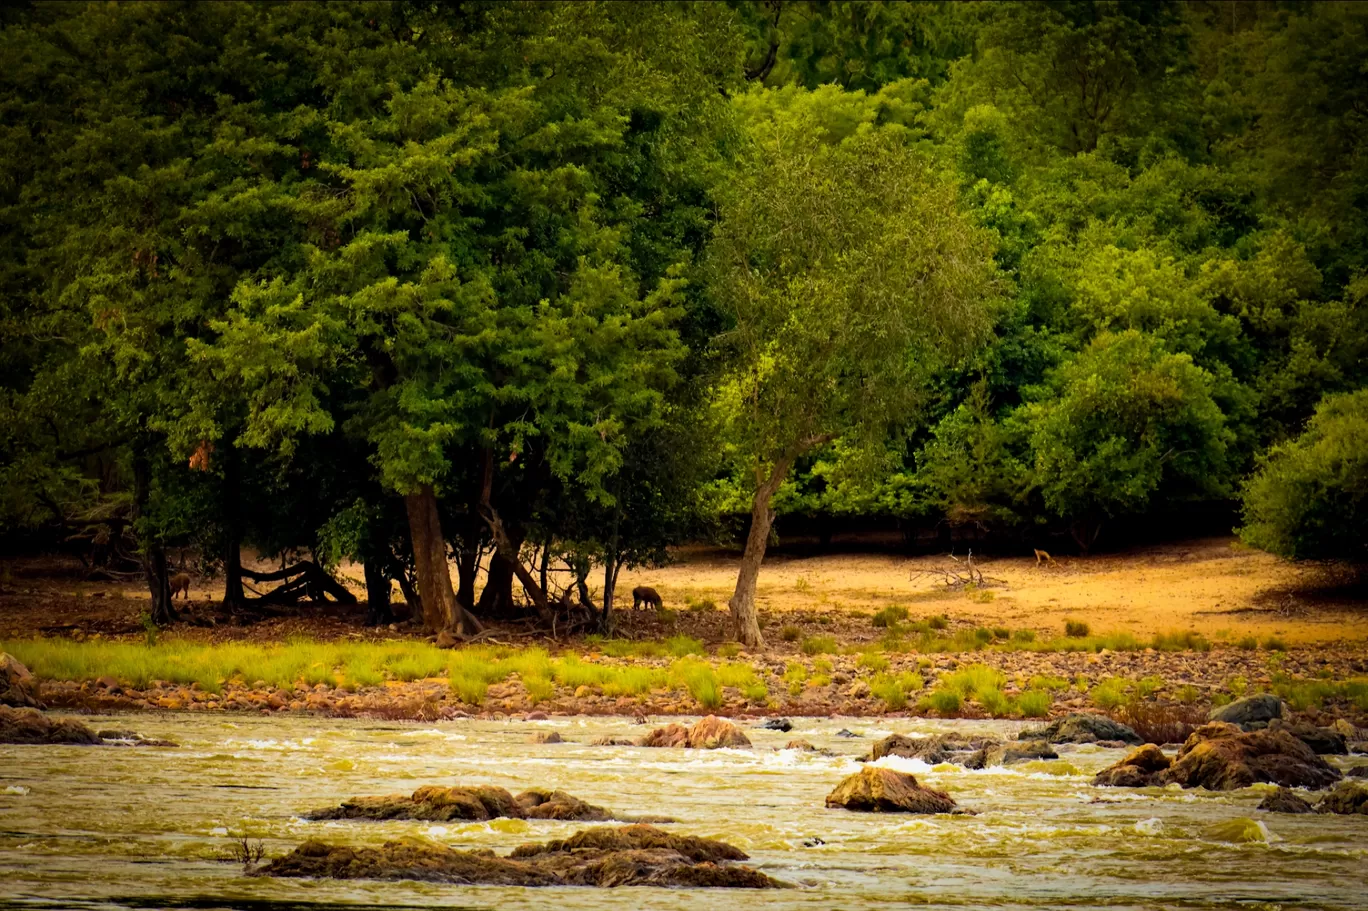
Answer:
(1212, 586)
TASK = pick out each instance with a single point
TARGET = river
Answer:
(95, 828)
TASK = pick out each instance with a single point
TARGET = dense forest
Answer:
(545, 288)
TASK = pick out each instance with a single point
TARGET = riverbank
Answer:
(414, 680)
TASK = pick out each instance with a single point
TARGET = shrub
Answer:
(1247, 643)
(704, 606)
(944, 701)
(972, 679)
(1034, 703)
(1188, 694)
(939, 621)
(756, 692)
(1024, 635)
(993, 702)
(1159, 723)
(1180, 642)
(890, 616)
(819, 645)
(790, 634)
(890, 691)
(679, 646)
(872, 661)
(729, 650)
(1048, 683)
(1109, 694)
(1075, 629)
(1001, 632)
(983, 636)
(1274, 644)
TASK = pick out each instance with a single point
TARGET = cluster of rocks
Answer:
(710, 733)
(1348, 798)
(435, 803)
(979, 752)
(1221, 757)
(636, 855)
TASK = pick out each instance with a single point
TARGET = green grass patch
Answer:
(1034, 703)
(790, 634)
(872, 661)
(820, 645)
(1184, 641)
(890, 616)
(1075, 629)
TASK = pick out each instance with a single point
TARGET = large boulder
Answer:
(878, 790)
(952, 747)
(1251, 710)
(31, 726)
(709, 733)
(1221, 757)
(18, 688)
(1138, 769)
(1083, 729)
(1010, 753)
(607, 857)
(1349, 798)
(1322, 741)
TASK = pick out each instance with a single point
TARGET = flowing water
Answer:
(84, 827)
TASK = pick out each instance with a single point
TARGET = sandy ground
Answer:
(1212, 586)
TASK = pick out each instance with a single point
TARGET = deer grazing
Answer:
(1043, 556)
(180, 582)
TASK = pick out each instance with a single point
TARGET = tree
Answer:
(1124, 420)
(1308, 500)
(851, 277)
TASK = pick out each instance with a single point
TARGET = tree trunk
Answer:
(153, 556)
(440, 609)
(497, 597)
(233, 594)
(504, 546)
(744, 620)
(377, 593)
(468, 564)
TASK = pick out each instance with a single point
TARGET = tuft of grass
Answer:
(993, 702)
(937, 621)
(1047, 683)
(1075, 629)
(946, 702)
(1024, 636)
(1183, 641)
(756, 693)
(1248, 643)
(729, 650)
(1187, 694)
(795, 675)
(1274, 644)
(1034, 703)
(872, 661)
(679, 646)
(890, 617)
(972, 679)
(1109, 694)
(707, 605)
(790, 634)
(820, 645)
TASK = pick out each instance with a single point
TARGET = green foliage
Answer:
(790, 634)
(1309, 498)
(890, 616)
(820, 645)
(1034, 703)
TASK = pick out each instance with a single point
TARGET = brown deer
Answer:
(1044, 556)
(644, 594)
(180, 582)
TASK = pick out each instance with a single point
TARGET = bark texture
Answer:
(744, 620)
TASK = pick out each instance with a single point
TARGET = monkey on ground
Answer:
(643, 594)
(180, 582)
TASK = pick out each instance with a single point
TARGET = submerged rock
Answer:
(1221, 757)
(1349, 798)
(546, 737)
(612, 742)
(953, 747)
(1284, 800)
(435, 803)
(1083, 729)
(30, 726)
(1137, 770)
(628, 856)
(1360, 771)
(18, 687)
(707, 734)
(776, 724)
(879, 790)
(1249, 710)
(1009, 753)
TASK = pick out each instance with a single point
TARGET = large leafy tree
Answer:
(851, 277)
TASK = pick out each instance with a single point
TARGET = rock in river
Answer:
(1083, 729)
(937, 748)
(1262, 708)
(1009, 753)
(1349, 798)
(626, 856)
(879, 790)
(707, 734)
(435, 803)
(1221, 757)
(1285, 800)
(31, 726)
